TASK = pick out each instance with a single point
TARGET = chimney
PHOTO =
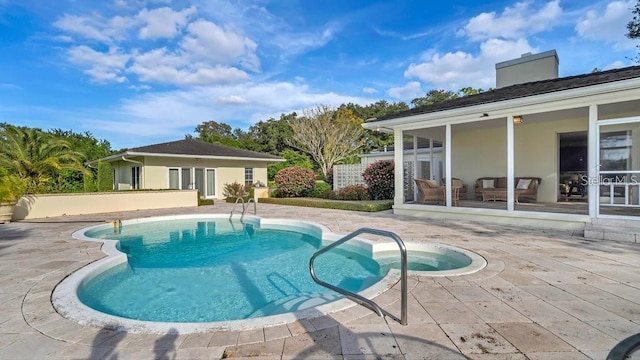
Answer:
(527, 68)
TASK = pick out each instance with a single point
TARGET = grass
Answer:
(367, 206)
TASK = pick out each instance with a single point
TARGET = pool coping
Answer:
(67, 303)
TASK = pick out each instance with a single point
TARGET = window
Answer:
(135, 177)
(174, 178)
(186, 179)
(248, 176)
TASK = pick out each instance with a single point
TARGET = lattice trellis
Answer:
(348, 174)
(351, 174)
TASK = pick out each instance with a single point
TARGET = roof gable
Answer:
(521, 91)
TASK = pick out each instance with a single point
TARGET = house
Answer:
(188, 164)
(576, 138)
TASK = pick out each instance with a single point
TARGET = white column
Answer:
(415, 165)
(510, 164)
(447, 165)
(399, 173)
(431, 159)
(593, 162)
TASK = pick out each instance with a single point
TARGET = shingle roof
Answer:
(522, 90)
(192, 147)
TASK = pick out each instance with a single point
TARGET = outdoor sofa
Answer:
(527, 187)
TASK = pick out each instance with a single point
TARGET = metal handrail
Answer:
(255, 211)
(370, 304)
(235, 205)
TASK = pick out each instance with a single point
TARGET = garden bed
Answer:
(367, 205)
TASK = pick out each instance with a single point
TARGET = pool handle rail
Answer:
(244, 209)
(370, 304)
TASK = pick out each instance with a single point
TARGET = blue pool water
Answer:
(203, 271)
(214, 270)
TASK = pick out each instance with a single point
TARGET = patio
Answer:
(545, 294)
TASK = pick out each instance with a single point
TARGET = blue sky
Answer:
(138, 72)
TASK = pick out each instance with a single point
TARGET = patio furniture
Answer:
(458, 183)
(574, 185)
(430, 191)
(530, 193)
(501, 195)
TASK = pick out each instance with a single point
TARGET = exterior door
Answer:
(619, 168)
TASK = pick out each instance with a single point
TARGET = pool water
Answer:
(205, 271)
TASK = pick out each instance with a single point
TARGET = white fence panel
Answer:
(348, 174)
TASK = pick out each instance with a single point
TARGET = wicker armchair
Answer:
(429, 191)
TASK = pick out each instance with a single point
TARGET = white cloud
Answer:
(164, 116)
(208, 41)
(297, 43)
(163, 22)
(102, 67)
(233, 99)
(162, 66)
(614, 65)
(608, 27)
(454, 70)
(369, 90)
(95, 27)
(514, 22)
(409, 91)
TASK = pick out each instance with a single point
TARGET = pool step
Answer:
(294, 303)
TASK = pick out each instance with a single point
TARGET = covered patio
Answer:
(564, 151)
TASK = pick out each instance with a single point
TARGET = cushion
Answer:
(523, 184)
(457, 183)
(487, 184)
(432, 183)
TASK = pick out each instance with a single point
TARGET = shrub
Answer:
(295, 181)
(105, 177)
(292, 158)
(379, 177)
(235, 190)
(319, 190)
(353, 192)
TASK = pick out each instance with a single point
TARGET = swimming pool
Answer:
(207, 272)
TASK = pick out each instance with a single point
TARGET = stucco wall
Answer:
(477, 153)
(155, 173)
(536, 152)
(51, 205)
(483, 152)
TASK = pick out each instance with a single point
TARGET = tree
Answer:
(221, 133)
(327, 135)
(271, 136)
(92, 149)
(434, 96)
(37, 157)
(634, 26)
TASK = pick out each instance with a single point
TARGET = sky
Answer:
(140, 72)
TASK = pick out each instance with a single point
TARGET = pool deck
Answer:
(545, 294)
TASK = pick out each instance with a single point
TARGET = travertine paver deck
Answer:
(545, 294)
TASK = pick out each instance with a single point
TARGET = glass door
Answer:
(211, 183)
(619, 171)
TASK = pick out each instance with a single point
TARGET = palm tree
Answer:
(37, 157)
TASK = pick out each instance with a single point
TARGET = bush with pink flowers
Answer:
(353, 192)
(379, 177)
(295, 181)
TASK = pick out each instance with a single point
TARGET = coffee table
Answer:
(501, 195)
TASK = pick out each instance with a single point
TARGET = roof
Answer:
(196, 148)
(521, 91)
